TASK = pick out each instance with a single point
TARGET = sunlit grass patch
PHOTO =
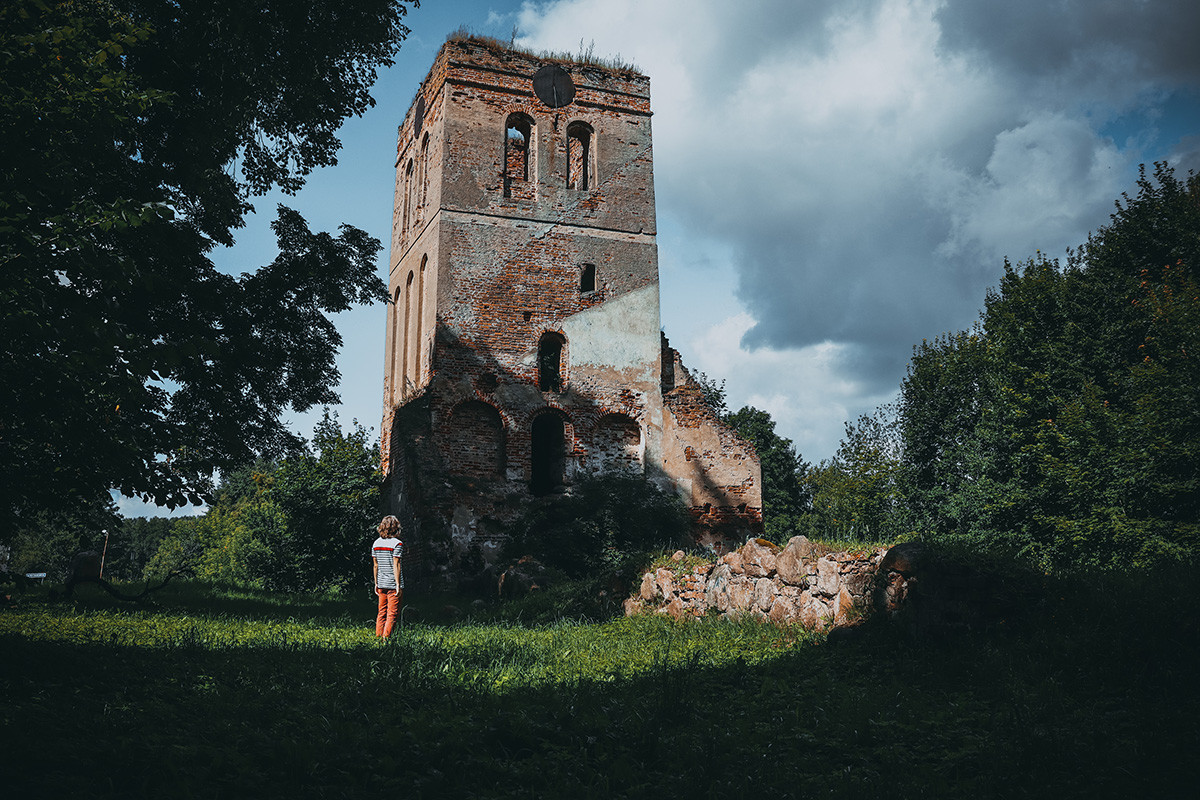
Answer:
(1092, 696)
(480, 655)
(164, 629)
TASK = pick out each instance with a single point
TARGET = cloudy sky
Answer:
(836, 179)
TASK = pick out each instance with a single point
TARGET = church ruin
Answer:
(523, 348)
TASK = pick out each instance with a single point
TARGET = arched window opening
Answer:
(579, 156)
(518, 139)
(407, 201)
(548, 454)
(618, 445)
(424, 189)
(408, 284)
(587, 278)
(474, 443)
(417, 339)
(395, 369)
(549, 362)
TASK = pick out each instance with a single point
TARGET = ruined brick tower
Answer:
(523, 345)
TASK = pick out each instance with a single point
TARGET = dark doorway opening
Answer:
(548, 455)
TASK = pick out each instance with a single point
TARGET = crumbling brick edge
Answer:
(801, 583)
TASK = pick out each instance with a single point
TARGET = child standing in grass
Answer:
(389, 579)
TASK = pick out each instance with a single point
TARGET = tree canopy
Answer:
(855, 496)
(1062, 429)
(1066, 427)
(303, 524)
(136, 134)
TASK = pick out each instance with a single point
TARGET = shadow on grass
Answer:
(1094, 696)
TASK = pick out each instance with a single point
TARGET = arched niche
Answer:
(474, 441)
(518, 150)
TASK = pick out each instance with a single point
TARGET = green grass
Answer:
(209, 693)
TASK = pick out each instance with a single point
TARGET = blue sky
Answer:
(835, 180)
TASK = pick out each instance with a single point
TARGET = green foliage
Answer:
(605, 524)
(941, 403)
(1065, 429)
(330, 500)
(134, 134)
(689, 562)
(713, 394)
(786, 495)
(49, 540)
(855, 494)
(132, 544)
(302, 525)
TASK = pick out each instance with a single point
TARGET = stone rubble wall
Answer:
(803, 583)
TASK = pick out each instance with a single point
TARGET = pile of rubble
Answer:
(802, 582)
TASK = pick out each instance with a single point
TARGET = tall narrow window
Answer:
(547, 454)
(587, 278)
(579, 156)
(418, 339)
(518, 140)
(549, 362)
(395, 370)
(424, 191)
(406, 201)
(412, 197)
(404, 362)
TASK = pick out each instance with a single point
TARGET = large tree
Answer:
(135, 135)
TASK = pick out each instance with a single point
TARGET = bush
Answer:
(605, 524)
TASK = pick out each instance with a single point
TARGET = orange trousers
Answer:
(389, 609)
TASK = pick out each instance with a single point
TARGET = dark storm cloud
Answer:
(1123, 43)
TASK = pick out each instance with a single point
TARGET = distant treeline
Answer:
(300, 523)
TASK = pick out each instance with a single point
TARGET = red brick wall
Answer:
(503, 271)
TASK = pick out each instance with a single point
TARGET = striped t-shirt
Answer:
(383, 551)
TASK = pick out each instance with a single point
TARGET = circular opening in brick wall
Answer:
(488, 381)
(554, 86)
(528, 315)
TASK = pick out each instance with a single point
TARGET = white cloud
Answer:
(804, 389)
(1045, 185)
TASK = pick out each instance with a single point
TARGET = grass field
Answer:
(215, 693)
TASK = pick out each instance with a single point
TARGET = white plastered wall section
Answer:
(620, 337)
